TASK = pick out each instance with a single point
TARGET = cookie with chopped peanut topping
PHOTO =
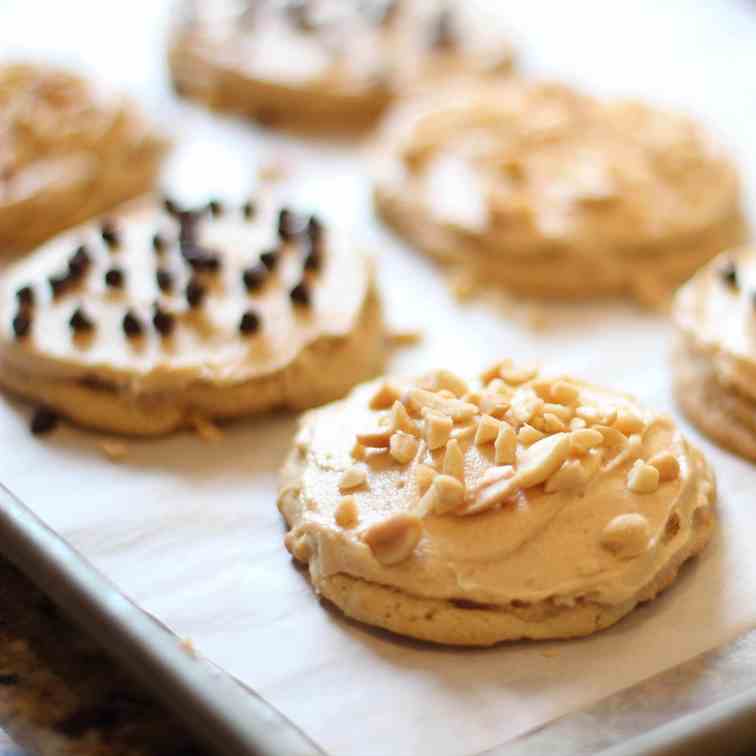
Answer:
(513, 506)
(69, 150)
(160, 317)
(548, 192)
(320, 65)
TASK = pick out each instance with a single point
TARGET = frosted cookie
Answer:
(512, 507)
(714, 361)
(69, 150)
(158, 317)
(547, 192)
(325, 64)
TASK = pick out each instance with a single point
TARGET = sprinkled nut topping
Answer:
(528, 435)
(80, 321)
(437, 429)
(21, 325)
(583, 439)
(401, 421)
(164, 280)
(300, 294)
(25, 296)
(454, 408)
(254, 277)
(385, 397)
(643, 478)
(424, 475)
(628, 422)
(114, 278)
(132, 325)
(44, 420)
(347, 514)
(402, 447)
(454, 461)
(626, 535)
(543, 459)
(564, 392)
(487, 431)
(505, 445)
(163, 321)
(249, 323)
(394, 539)
(667, 465)
(444, 495)
(353, 477)
(569, 476)
(195, 293)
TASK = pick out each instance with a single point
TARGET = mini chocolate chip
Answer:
(59, 284)
(170, 206)
(109, 234)
(79, 263)
(80, 321)
(200, 259)
(43, 421)
(158, 243)
(114, 278)
(254, 277)
(215, 207)
(298, 13)
(249, 323)
(164, 280)
(290, 224)
(163, 321)
(443, 36)
(248, 209)
(314, 259)
(729, 274)
(195, 293)
(300, 294)
(132, 325)
(314, 229)
(21, 325)
(269, 259)
(25, 296)
(9, 678)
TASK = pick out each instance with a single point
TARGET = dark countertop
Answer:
(59, 694)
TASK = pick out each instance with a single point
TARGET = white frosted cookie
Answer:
(158, 318)
(512, 507)
(547, 192)
(714, 361)
(69, 150)
(325, 64)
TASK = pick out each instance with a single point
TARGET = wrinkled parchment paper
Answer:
(190, 529)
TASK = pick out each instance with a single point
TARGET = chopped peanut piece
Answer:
(643, 478)
(424, 475)
(386, 395)
(589, 414)
(628, 422)
(403, 447)
(401, 421)
(525, 404)
(437, 430)
(667, 465)
(488, 375)
(583, 439)
(542, 459)
(493, 404)
(577, 423)
(464, 434)
(565, 392)
(496, 492)
(562, 412)
(358, 450)
(542, 387)
(375, 439)
(626, 535)
(488, 430)
(298, 545)
(528, 435)
(454, 408)
(454, 461)
(505, 445)
(552, 424)
(347, 514)
(444, 495)
(445, 379)
(353, 477)
(569, 476)
(517, 375)
(394, 539)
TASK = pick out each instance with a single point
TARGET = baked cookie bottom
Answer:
(62, 203)
(649, 276)
(721, 412)
(464, 623)
(322, 372)
(297, 108)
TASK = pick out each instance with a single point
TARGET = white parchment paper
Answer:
(190, 530)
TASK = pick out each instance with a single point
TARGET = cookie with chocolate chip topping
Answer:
(71, 150)
(124, 340)
(332, 65)
(548, 192)
(714, 357)
(515, 505)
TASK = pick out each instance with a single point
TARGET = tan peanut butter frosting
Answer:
(62, 136)
(512, 490)
(538, 185)
(367, 51)
(149, 316)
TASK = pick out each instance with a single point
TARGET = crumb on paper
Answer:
(403, 337)
(114, 450)
(206, 429)
(187, 646)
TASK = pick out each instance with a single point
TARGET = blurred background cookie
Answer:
(516, 506)
(69, 150)
(548, 192)
(325, 64)
(159, 317)
(714, 361)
